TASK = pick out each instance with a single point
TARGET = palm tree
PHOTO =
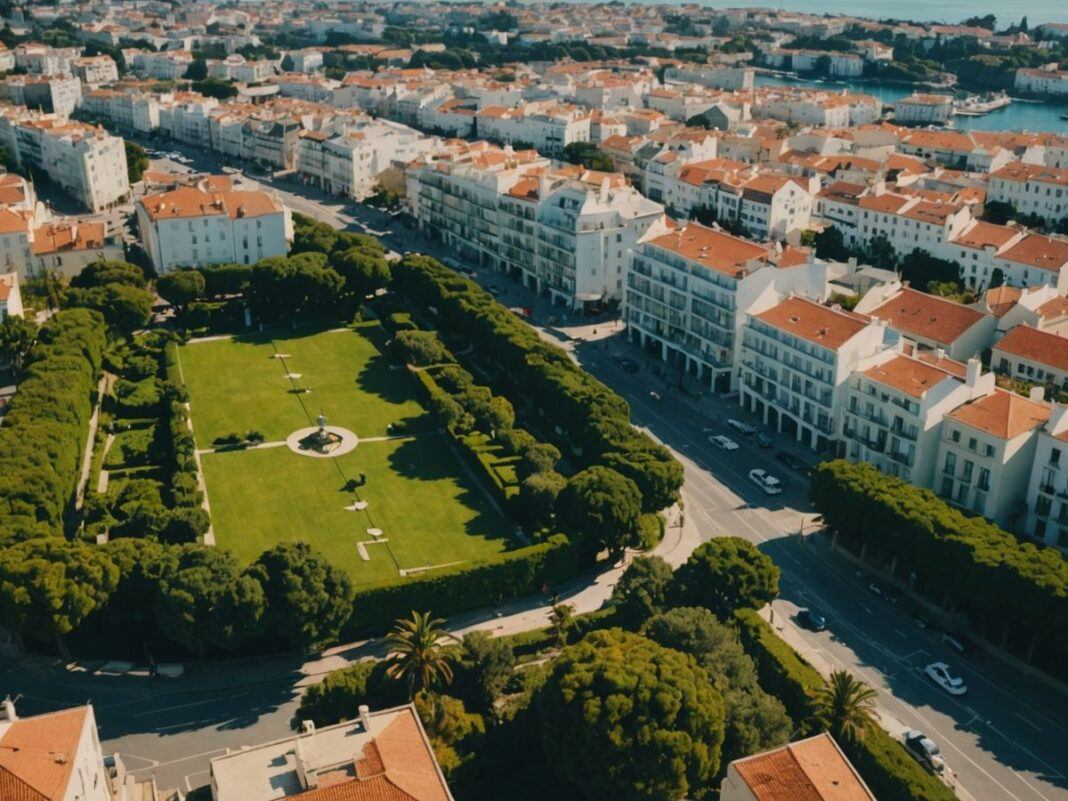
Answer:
(845, 706)
(420, 653)
(561, 620)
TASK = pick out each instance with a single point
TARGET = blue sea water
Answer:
(1020, 116)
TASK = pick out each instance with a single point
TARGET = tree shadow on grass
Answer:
(377, 378)
(432, 458)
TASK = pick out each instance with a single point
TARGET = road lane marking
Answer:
(1029, 723)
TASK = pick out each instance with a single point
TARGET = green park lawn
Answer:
(236, 385)
(427, 504)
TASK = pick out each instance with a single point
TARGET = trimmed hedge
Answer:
(884, 764)
(1010, 590)
(593, 419)
(185, 489)
(47, 423)
(464, 587)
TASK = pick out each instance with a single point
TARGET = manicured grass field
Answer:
(427, 504)
(236, 385)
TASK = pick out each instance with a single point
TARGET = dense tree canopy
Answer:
(181, 287)
(600, 508)
(625, 718)
(308, 599)
(644, 589)
(727, 573)
(17, 335)
(364, 271)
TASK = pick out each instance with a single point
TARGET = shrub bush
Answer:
(137, 398)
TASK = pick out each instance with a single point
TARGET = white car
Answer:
(726, 443)
(766, 481)
(742, 428)
(939, 673)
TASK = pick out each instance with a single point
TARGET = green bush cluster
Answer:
(1015, 592)
(594, 419)
(46, 425)
(185, 488)
(463, 587)
(137, 398)
(883, 763)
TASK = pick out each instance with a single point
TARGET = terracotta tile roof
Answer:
(1001, 299)
(981, 234)
(927, 316)
(1021, 172)
(910, 376)
(1042, 347)
(8, 281)
(525, 189)
(821, 325)
(397, 765)
(714, 249)
(1041, 252)
(37, 755)
(58, 237)
(1002, 414)
(13, 221)
(886, 203)
(189, 201)
(808, 770)
(12, 189)
(1058, 307)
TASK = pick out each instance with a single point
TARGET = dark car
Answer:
(956, 642)
(790, 461)
(883, 593)
(812, 620)
(629, 366)
(762, 439)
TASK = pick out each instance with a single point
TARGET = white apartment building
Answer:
(60, 94)
(32, 745)
(236, 67)
(1040, 307)
(133, 111)
(986, 454)
(41, 59)
(797, 357)
(924, 109)
(548, 128)
(839, 205)
(96, 70)
(86, 162)
(196, 225)
(688, 291)
(894, 410)
(1032, 189)
(384, 754)
(1042, 81)
(350, 161)
(308, 60)
(1027, 354)
(714, 77)
(167, 65)
(1047, 486)
(846, 65)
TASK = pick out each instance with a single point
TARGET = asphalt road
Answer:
(1004, 740)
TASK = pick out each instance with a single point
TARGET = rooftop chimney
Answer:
(972, 374)
(7, 710)
(365, 717)
(1037, 394)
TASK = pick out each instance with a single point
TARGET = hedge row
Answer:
(1012, 591)
(44, 432)
(890, 773)
(185, 488)
(464, 587)
(593, 419)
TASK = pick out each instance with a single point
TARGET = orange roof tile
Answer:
(1042, 252)
(1001, 299)
(926, 316)
(1002, 414)
(808, 770)
(37, 755)
(714, 249)
(1042, 347)
(908, 375)
(981, 234)
(822, 325)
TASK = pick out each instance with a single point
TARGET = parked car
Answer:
(812, 620)
(629, 366)
(654, 395)
(920, 621)
(882, 593)
(925, 750)
(493, 289)
(956, 642)
(790, 461)
(742, 428)
(766, 481)
(724, 442)
(762, 439)
(941, 674)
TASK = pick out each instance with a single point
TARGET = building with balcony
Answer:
(1047, 488)
(986, 453)
(894, 410)
(1038, 357)
(688, 292)
(797, 358)
(933, 322)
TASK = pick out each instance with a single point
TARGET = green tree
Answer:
(421, 653)
(998, 212)
(921, 269)
(339, 696)
(17, 335)
(539, 457)
(363, 272)
(125, 308)
(600, 508)
(181, 287)
(102, 272)
(308, 598)
(537, 497)
(561, 621)
(845, 707)
(643, 589)
(727, 573)
(880, 252)
(625, 718)
(207, 601)
(830, 244)
(287, 63)
(141, 563)
(136, 161)
(215, 87)
(421, 348)
(49, 585)
(197, 71)
(486, 663)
